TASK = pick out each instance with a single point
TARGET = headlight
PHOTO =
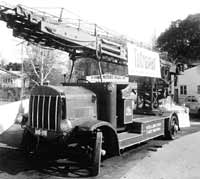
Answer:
(22, 119)
(65, 125)
(19, 119)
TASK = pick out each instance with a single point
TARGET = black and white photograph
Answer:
(99, 89)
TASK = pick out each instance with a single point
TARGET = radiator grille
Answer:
(44, 112)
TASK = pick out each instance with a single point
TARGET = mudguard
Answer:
(168, 133)
(168, 116)
(110, 137)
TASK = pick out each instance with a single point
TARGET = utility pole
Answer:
(42, 67)
(61, 13)
(22, 69)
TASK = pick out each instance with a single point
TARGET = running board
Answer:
(143, 128)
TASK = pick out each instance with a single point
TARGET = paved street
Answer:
(178, 159)
(156, 159)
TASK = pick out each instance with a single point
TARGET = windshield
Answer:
(87, 67)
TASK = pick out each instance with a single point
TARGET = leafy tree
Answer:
(181, 40)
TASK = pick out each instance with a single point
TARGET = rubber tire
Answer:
(198, 114)
(96, 158)
(28, 143)
(172, 130)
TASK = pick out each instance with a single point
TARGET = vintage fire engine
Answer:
(103, 114)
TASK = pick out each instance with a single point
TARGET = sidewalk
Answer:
(178, 160)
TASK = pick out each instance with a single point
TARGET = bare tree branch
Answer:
(47, 74)
(35, 82)
(34, 69)
(47, 61)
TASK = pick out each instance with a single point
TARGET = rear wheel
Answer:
(173, 128)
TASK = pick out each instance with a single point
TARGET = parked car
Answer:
(193, 103)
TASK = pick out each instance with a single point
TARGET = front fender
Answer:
(93, 125)
(110, 136)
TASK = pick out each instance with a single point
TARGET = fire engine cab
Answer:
(103, 113)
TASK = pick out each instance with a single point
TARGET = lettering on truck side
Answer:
(153, 128)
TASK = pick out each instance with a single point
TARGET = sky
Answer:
(140, 20)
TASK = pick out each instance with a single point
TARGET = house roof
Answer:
(193, 68)
(12, 73)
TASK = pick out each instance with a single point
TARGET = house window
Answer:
(183, 89)
(198, 89)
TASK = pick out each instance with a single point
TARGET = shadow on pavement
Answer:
(62, 168)
(12, 136)
(13, 162)
(70, 163)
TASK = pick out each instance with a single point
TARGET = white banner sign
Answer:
(107, 78)
(143, 62)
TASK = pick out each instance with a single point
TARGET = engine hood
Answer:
(71, 92)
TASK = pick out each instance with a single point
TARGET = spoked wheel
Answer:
(29, 144)
(173, 128)
(96, 154)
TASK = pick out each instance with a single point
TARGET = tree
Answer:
(13, 66)
(181, 40)
(41, 63)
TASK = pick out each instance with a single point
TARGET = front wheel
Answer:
(96, 156)
(172, 128)
(28, 143)
(198, 113)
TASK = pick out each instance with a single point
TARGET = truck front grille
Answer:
(43, 112)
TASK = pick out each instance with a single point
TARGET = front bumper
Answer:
(48, 134)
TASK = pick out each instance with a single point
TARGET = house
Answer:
(188, 83)
(12, 79)
(11, 83)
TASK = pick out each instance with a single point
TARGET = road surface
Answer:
(13, 164)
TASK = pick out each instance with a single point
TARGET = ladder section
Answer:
(142, 129)
(45, 29)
